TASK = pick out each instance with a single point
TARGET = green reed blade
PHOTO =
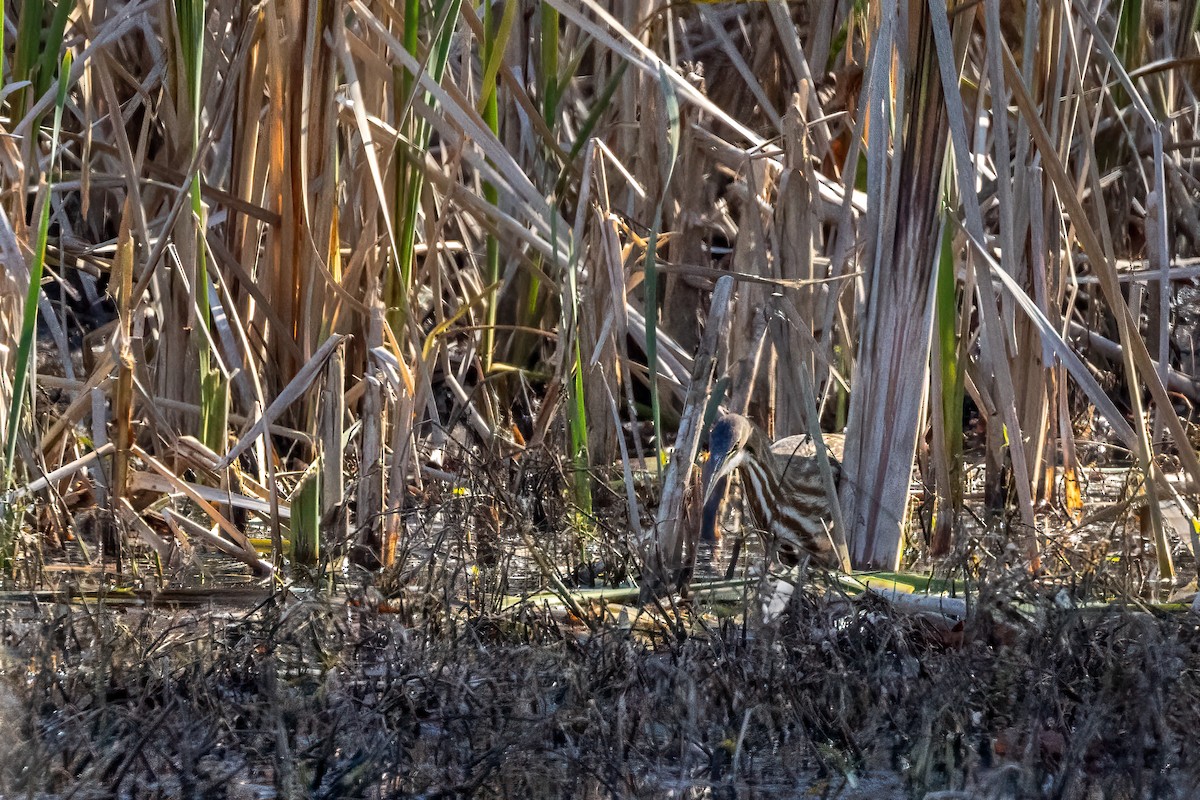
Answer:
(667, 169)
(306, 517)
(589, 124)
(214, 389)
(410, 180)
(551, 86)
(953, 377)
(36, 268)
(577, 430)
(495, 41)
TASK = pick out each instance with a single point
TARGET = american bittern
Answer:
(784, 491)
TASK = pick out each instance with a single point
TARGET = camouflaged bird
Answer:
(783, 488)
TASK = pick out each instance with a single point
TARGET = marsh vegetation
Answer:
(359, 359)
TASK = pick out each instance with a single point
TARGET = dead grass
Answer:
(367, 263)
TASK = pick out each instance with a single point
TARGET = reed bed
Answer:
(289, 253)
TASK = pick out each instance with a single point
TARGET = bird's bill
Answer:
(716, 468)
(710, 480)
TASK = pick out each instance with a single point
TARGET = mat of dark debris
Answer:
(329, 698)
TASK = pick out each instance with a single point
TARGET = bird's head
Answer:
(732, 437)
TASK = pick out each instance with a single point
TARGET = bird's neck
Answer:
(763, 474)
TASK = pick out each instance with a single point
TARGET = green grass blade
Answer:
(667, 169)
(306, 518)
(946, 324)
(52, 39)
(36, 268)
(595, 113)
(25, 55)
(410, 180)
(214, 389)
(551, 91)
(577, 430)
(495, 40)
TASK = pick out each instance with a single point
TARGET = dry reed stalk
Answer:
(662, 555)
(291, 138)
(885, 408)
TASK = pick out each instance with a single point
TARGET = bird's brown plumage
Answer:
(784, 491)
